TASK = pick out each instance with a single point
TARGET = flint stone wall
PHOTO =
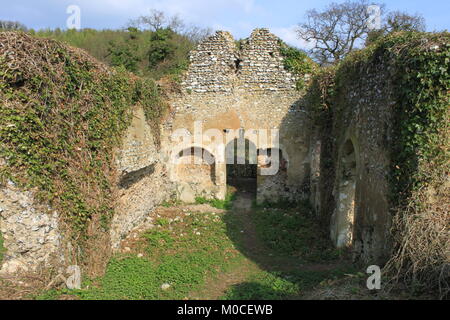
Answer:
(143, 183)
(31, 232)
(243, 85)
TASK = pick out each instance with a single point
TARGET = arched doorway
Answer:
(241, 164)
(342, 226)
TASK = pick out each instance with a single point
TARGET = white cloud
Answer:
(290, 36)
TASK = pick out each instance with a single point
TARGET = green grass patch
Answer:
(279, 286)
(294, 232)
(262, 286)
(225, 204)
(192, 248)
(179, 253)
(171, 203)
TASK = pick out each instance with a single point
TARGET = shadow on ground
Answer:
(291, 251)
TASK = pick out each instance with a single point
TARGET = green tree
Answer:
(124, 54)
(161, 47)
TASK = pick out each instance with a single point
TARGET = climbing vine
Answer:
(420, 161)
(298, 63)
(61, 117)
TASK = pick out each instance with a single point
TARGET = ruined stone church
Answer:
(242, 92)
(248, 89)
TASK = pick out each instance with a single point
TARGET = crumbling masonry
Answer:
(241, 88)
(244, 88)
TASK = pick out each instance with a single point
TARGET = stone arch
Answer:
(197, 173)
(342, 221)
(241, 164)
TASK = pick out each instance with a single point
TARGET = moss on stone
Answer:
(417, 66)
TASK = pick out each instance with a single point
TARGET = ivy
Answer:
(418, 66)
(60, 123)
(298, 63)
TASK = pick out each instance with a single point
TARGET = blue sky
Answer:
(237, 16)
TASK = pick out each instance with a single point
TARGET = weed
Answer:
(293, 232)
(225, 204)
(180, 254)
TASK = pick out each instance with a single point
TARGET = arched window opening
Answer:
(196, 165)
(241, 165)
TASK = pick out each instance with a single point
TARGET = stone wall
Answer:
(261, 66)
(31, 232)
(231, 86)
(212, 65)
(143, 180)
(241, 87)
(357, 148)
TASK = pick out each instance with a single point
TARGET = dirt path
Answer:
(257, 257)
(215, 287)
(255, 249)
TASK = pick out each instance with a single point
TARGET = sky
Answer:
(239, 17)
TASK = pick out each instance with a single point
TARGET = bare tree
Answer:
(398, 21)
(337, 30)
(154, 21)
(342, 27)
(197, 34)
(12, 25)
(158, 20)
(402, 21)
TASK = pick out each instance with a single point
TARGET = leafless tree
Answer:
(154, 21)
(342, 27)
(401, 21)
(398, 21)
(197, 34)
(158, 20)
(337, 30)
(12, 25)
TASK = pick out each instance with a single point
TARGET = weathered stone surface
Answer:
(31, 233)
(217, 65)
(362, 132)
(230, 88)
(245, 87)
(144, 184)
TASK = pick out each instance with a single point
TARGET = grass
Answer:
(216, 203)
(179, 253)
(262, 286)
(282, 285)
(171, 203)
(294, 232)
(289, 230)
(190, 251)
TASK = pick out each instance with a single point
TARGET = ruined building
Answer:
(246, 90)
(241, 93)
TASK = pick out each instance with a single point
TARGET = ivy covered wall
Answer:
(62, 115)
(390, 101)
